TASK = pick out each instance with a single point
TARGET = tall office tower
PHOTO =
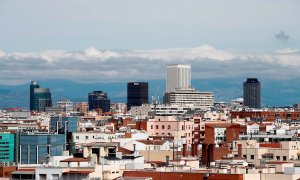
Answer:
(252, 93)
(34, 84)
(40, 98)
(99, 99)
(178, 76)
(137, 94)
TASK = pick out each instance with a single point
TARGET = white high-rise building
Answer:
(178, 76)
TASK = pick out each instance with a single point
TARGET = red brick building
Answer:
(267, 115)
(158, 175)
(217, 138)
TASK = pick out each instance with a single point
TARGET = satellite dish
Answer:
(245, 164)
(182, 162)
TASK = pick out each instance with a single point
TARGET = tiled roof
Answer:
(75, 160)
(152, 142)
(124, 151)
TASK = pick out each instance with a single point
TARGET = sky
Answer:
(122, 40)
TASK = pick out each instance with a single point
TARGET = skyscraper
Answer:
(99, 99)
(34, 84)
(137, 94)
(40, 98)
(252, 93)
(178, 76)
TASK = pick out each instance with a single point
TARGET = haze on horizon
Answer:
(98, 41)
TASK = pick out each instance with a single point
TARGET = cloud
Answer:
(201, 52)
(287, 51)
(282, 36)
(93, 65)
(92, 52)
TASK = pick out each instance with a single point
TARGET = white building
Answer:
(178, 76)
(190, 96)
(66, 105)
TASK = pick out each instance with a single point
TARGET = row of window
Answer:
(284, 158)
(169, 127)
(109, 137)
(4, 142)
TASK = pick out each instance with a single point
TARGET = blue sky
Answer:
(35, 25)
(122, 40)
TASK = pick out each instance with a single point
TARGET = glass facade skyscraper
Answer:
(40, 98)
(252, 93)
(137, 94)
(99, 99)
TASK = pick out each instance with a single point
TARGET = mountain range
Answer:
(274, 92)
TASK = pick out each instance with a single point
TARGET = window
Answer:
(86, 137)
(163, 126)
(151, 126)
(169, 127)
(77, 137)
(252, 156)
(284, 158)
(182, 127)
(277, 158)
(55, 176)
(43, 177)
(245, 156)
(156, 126)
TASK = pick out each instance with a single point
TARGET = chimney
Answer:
(195, 149)
(134, 147)
(240, 150)
(184, 150)
(167, 160)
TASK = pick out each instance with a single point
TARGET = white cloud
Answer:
(92, 64)
(92, 52)
(287, 51)
(2, 53)
(201, 52)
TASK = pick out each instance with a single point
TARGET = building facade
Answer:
(190, 97)
(63, 125)
(40, 98)
(35, 148)
(99, 99)
(137, 94)
(7, 147)
(252, 93)
(178, 76)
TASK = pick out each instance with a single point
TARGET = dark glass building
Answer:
(63, 125)
(99, 99)
(40, 98)
(252, 93)
(137, 94)
(35, 148)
